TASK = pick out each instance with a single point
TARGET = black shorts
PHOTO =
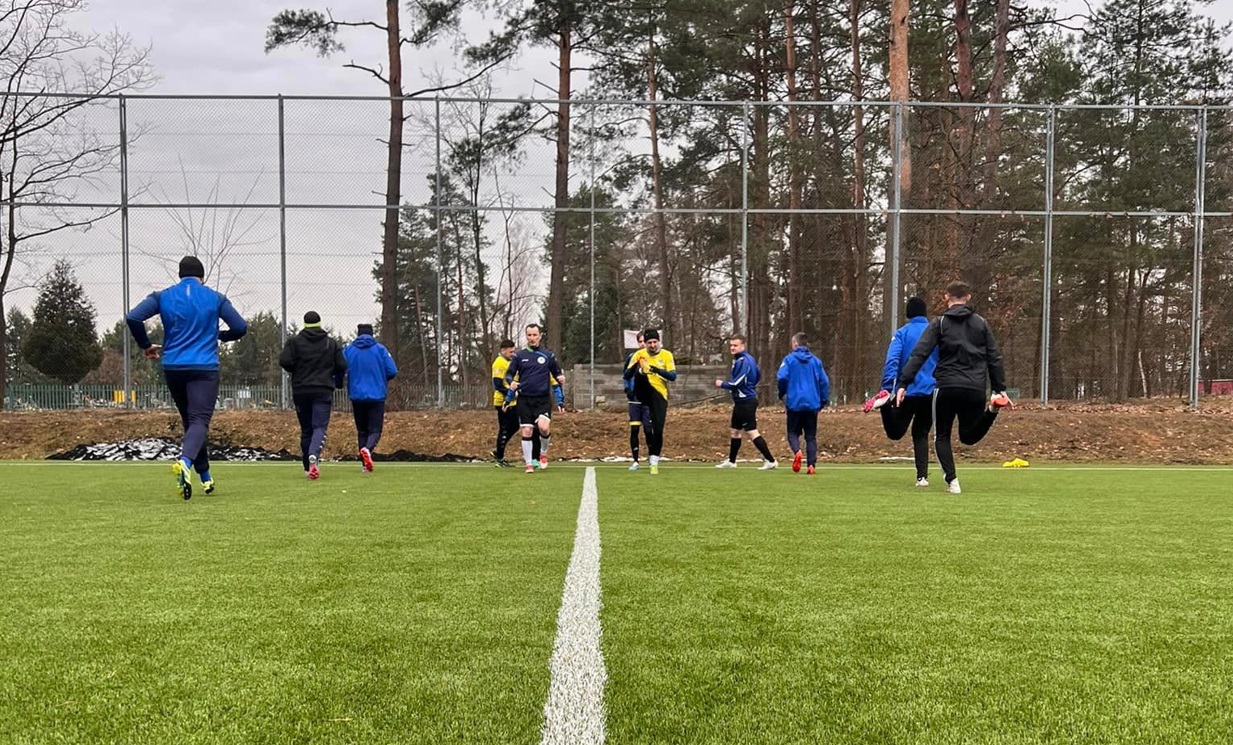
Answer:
(745, 415)
(531, 408)
(639, 414)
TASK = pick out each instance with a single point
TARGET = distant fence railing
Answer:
(29, 397)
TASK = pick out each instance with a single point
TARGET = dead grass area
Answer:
(1147, 432)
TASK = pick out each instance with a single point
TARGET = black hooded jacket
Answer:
(967, 353)
(315, 361)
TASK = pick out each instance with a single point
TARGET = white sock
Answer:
(526, 450)
(544, 442)
(654, 460)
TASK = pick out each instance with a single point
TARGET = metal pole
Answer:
(124, 249)
(896, 206)
(744, 309)
(436, 202)
(1196, 301)
(1046, 326)
(591, 239)
(284, 395)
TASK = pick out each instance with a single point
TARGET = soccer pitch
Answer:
(420, 604)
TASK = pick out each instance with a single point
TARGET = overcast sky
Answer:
(227, 152)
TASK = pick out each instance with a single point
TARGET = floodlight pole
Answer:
(124, 249)
(896, 225)
(282, 241)
(436, 201)
(1046, 325)
(591, 240)
(743, 314)
(1196, 297)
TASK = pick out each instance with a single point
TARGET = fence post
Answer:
(744, 309)
(591, 240)
(282, 240)
(1196, 297)
(1046, 325)
(436, 205)
(896, 205)
(124, 249)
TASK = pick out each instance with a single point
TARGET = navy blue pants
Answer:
(917, 412)
(194, 393)
(369, 420)
(804, 422)
(313, 411)
(507, 427)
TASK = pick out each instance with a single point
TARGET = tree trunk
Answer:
(657, 188)
(477, 237)
(560, 219)
(795, 310)
(963, 225)
(898, 78)
(993, 145)
(760, 171)
(857, 271)
(393, 186)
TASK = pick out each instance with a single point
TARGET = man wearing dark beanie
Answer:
(654, 368)
(189, 312)
(370, 368)
(917, 407)
(316, 365)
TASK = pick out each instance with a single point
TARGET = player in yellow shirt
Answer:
(507, 417)
(653, 368)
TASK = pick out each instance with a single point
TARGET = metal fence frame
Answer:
(894, 211)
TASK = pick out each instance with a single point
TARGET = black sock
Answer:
(733, 448)
(633, 442)
(760, 444)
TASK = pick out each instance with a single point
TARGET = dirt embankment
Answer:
(1151, 432)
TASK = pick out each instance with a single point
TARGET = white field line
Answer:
(574, 712)
(624, 465)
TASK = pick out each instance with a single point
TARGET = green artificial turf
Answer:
(419, 604)
(1067, 606)
(412, 605)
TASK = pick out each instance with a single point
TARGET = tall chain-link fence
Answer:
(1097, 238)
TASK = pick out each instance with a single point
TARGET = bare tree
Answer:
(319, 31)
(213, 234)
(54, 75)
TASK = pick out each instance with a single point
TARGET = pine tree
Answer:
(63, 342)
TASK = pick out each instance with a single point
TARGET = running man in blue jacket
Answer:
(917, 407)
(370, 368)
(190, 312)
(743, 384)
(805, 390)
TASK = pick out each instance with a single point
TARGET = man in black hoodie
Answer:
(968, 359)
(316, 364)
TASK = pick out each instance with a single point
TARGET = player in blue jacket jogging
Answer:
(805, 390)
(917, 407)
(743, 384)
(370, 368)
(190, 312)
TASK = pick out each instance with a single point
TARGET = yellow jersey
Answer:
(663, 360)
(499, 366)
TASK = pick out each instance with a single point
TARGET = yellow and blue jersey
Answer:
(499, 366)
(502, 395)
(661, 368)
